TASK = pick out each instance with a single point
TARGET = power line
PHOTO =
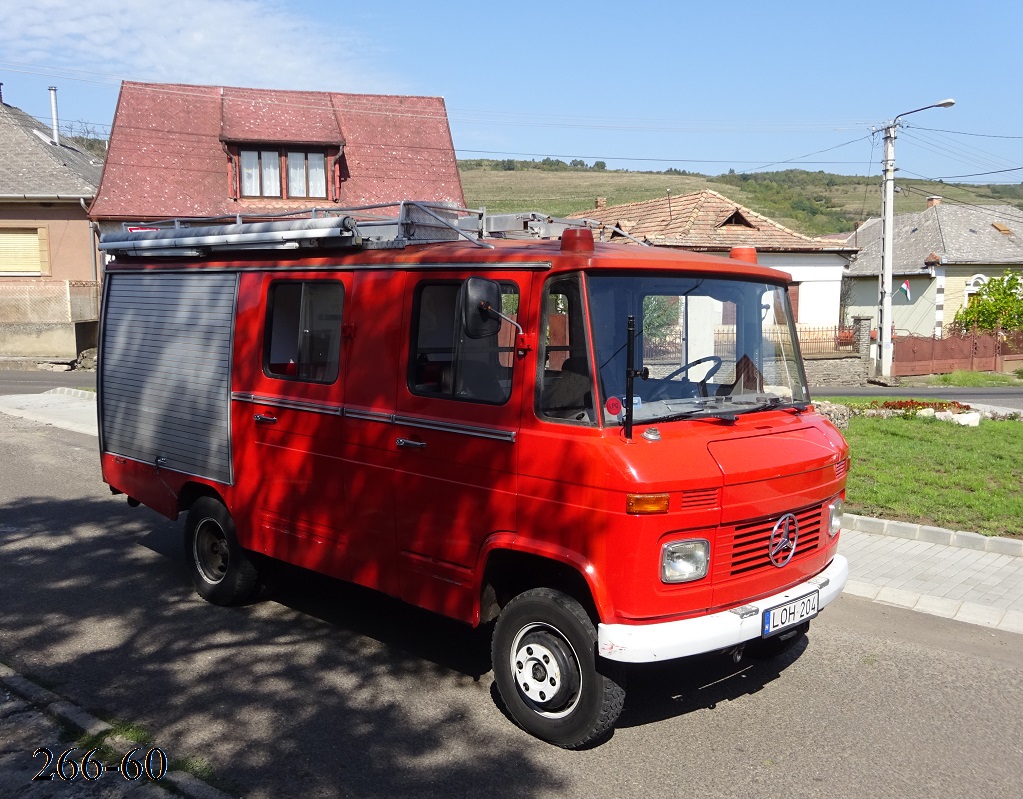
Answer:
(962, 133)
(981, 174)
(988, 208)
(817, 152)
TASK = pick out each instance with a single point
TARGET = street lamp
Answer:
(884, 322)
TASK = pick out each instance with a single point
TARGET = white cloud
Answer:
(257, 43)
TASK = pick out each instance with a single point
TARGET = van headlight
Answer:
(835, 510)
(685, 561)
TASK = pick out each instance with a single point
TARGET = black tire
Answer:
(221, 570)
(548, 674)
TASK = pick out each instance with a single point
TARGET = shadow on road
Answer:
(331, 692)
(318, 687)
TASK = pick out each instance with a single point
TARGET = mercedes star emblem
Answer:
(784, 536)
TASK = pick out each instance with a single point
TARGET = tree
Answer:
(578, 162)
(999, 303)
(601, 165)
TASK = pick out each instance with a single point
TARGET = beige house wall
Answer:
(957, 278)
(51, 314)
(914, 316)
(70, 244)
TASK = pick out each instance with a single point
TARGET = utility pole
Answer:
(884, 321)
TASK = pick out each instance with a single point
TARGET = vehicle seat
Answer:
(569, 390)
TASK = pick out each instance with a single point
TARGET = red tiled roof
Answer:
(704, 220)
(167, 154)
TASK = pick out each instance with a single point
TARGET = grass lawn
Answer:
(929, 472)
(976, 379)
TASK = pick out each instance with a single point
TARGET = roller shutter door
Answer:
(165, 370)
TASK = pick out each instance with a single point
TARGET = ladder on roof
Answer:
(382, 226)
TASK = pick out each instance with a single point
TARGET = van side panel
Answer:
(371, 374)
(165, 372)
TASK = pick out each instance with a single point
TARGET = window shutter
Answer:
(20, 250)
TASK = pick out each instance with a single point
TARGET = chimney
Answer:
(933, 201)
(600, 203)
(53, 114)
(1, 92)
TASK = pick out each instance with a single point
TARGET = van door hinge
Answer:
(348, 330)
(524, 343)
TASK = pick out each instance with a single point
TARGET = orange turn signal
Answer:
(646, 503)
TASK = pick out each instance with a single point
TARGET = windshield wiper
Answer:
(718, 408)
(771, 404)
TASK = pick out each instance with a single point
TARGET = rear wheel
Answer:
(220, 569)
(547, 672)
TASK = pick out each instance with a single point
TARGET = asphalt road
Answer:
(13, 381)
(1003, 397)
(324, 690)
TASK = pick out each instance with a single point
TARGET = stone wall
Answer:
(847, 371)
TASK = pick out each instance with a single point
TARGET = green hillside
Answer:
(813, 203)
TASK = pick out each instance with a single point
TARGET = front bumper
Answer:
(643, 643)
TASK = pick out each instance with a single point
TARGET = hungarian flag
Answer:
(905, 287)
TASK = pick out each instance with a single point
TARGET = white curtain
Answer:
(271, 173)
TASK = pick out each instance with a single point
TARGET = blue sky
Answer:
(701, 86)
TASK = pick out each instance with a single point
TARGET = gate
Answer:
(973, 351)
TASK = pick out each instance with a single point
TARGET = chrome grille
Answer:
(747, 549)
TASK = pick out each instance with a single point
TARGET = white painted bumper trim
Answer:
(643, 643)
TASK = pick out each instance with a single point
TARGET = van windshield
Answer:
(711, 346)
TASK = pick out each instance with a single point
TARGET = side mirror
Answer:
(480, 300)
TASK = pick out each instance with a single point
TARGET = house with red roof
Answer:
(706, 221)
(190, 151)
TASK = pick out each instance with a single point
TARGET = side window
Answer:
(565, 386)
(445, 363)
(303, 330)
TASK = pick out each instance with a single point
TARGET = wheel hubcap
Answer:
(546, 670)
(210, 551)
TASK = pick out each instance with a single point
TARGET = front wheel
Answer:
(221, 571)
(547, 672)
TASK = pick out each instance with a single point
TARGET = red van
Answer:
(607, 451)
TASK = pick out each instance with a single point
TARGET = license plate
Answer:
(791, 614)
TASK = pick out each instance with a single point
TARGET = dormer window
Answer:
(283, 173)
(736, 219)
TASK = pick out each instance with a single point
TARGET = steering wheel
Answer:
(685, 368)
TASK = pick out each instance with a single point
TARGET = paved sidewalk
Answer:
(67, 408)
(955, 574)
(958, 583)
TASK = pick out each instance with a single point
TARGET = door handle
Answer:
(261, 419)
(405, 442)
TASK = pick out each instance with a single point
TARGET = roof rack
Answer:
(381, 226)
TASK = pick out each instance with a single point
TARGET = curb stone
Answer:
(934, 535)
(63, 711)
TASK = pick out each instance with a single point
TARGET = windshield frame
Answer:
(769, 346)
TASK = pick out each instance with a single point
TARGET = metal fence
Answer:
(834, 341)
